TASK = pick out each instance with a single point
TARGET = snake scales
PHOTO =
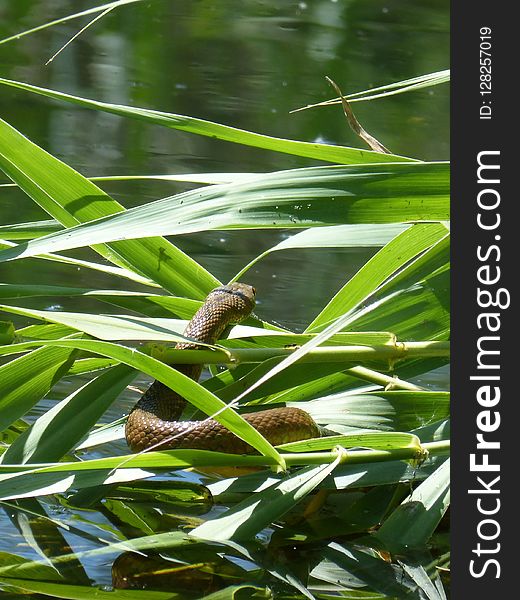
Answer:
(154, 419)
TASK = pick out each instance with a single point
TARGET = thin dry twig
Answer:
(354, 123)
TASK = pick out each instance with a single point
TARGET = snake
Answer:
(154, 422)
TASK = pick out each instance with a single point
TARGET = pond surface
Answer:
(243, 64)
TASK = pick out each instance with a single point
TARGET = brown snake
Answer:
(154, 419)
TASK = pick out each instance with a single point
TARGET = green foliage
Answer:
(349, 369)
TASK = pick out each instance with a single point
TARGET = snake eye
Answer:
(254, 291)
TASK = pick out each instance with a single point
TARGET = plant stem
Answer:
(356, 354)
(387, 381)
(368, 456)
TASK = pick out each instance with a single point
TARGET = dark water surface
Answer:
(244, 64)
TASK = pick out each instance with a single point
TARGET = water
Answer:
(244, 64)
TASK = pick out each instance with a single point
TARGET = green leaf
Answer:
(375, 440)
(325, 152)
(47, 331)
(434, 432)
(246, 519)
(80, 264)
(336, 236)
(186, 387)
(399, 87)
(19, 481)
(355, 512)
(346, 476)
(25, 380)
(59, 429)
(13, 564)
(434, 260)
(117, 327)
(96, 9)
(315, 196)
(388, 261)
(240, 592)
(44, 535)
(421, 311)
(413, 522)
(28, 231)
(27, 290)
(347, 565)
(343, 236)
(71, 199)
(6, 332)
(109, 432)
(298, 354)
(89, 365)
(78, 592)
(418, 574)
(380, 410)
(153, 305)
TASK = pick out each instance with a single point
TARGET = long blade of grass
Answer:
(19, 481)
(57, 431)
(27, 290)
(28, 231)
(70, 198)
(335, 236)
(83, 13)
(376, 440)
(413, 522)
(344, 477)
(80, 592)
(186, 387)
(315, 196)
(80, 264)
(336, 154)
(78, 33)
(106, 327)
(390, 259)
(246, 519)
(25, 380)
(418, 311)
(127, 327)
(207, 178)
(399, 87)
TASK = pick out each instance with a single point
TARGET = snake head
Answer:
(242, 294)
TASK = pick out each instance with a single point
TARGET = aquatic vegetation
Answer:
(361, 513)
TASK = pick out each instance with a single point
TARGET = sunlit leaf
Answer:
(338, 154)
(59, 429)
(63, 193)
(315, 196)
(412, 523)
(25, 380)
(255, 513)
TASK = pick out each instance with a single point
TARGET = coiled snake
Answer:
(154, 419)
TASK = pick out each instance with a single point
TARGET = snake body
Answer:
(154, 419)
